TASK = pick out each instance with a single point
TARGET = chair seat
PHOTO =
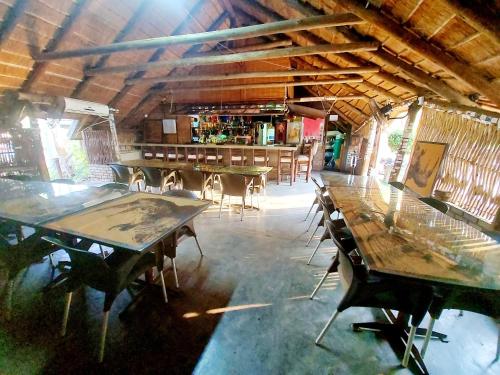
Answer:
(238, 158)
(303, 158)
(148, 154)
(159, 155)
(285, 160)
(261, 158)
(193, 156)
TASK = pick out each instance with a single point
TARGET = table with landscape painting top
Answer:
(134, 222)
(244, 170)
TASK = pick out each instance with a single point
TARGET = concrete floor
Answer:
(242, 309)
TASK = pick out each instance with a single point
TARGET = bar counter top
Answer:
(213, 145)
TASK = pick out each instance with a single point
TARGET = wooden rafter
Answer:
(258, 74)
(240, 57)
(40, 67)
(412, 12)
(10, 19)
(460, 70)
(337, 111)
(251, 47)
(416, 74)
(129, 26)
(308, 99)
(210, 36)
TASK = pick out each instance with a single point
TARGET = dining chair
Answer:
(18, 253)
(234, 186)
(343, 240)
(485, 302)
(366, 290)
(115, 186)
(184, 232)
(196, 181)
(156, 178)
(327, 213)
(111, 276)
(121, 174)
(438, 205)
(322, 189)
(330, 206)
(257, 186)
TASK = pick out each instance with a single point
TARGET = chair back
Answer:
(115, 186)
(234, 185)
(191, 180)
(438, 205)
(152, 176)
(398, 185)
(318, 186)
(181, 194)
(121, 173)
(20, 177)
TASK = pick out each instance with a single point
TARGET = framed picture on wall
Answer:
(169, 126)
(425, 164)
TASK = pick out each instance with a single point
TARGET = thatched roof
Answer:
(444, 49)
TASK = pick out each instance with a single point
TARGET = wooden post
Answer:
(403, 147)
(365, 163)
(114, 136)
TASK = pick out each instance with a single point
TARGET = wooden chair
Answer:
(186, 231)
(193, 155)
(237, 156)
(365, 290)
(234, 186)
(286, 165)
(305, 160)
(261, 158)
(173, 154)
(111, 276)
(213, 156)
(195, 181)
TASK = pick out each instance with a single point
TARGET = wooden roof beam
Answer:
(11, 18)
(418, 75)
(249, 48)
(210, 36)
(258, 74)
(460, 70)
(240, 57)
(308, 99)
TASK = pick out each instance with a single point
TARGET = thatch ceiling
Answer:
(445, 49)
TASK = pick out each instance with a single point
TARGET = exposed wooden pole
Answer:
(460, 70)
(434, 84)
(264, 85)
(240, 57)
(251, 47)
(40, 67)
(157, 54)
(211, 36)
(476, 15)
(11, 18)
(308, 99)
(130, 25)
(245, 75)
(349, 107)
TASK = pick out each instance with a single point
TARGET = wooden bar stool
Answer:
(173, 154)
(213, 156)
(237, 156)
(261, 158)
(304, 161)
(193, 155)
(286, 165)
(147, 153)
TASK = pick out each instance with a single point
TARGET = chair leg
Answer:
(52, 261)
(104, 331)
(242, 207)
(220, 206)
(323, 279)
(198, 244)
(103, 254)
(427, 338)
(310, 209)
(326, 327)
(66, 313)
(409, 345)
(163, 288)
(312, 221)
(258, 201)
(312, 235)
(314, 252)
(498, 346)
(175, 272)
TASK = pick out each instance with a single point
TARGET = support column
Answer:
(114, 136)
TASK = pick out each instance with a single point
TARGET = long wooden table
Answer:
(398, 236)
(244, 170)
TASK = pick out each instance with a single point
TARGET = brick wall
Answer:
(98, 172)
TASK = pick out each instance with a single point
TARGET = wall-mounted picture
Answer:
(294, 132)
(425, 164)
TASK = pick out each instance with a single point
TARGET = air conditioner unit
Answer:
(83, 107)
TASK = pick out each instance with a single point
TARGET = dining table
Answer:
(400, 237)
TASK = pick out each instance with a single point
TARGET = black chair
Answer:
(321, 189)
(111, 276)
(438, 205)
(187, 230)
(121, 174)
(327, 203)
(343, 240)
(485, 302)
(115, 186)
(156, 178)
(18, 253)
(366, 290)
(398, 185)
(68, 181)
(196, 181)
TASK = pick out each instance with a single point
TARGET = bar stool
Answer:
(173, 155)
(193, 155)
(286, 165)
(260, 157)
(212, 156)
(305, 160)
(237, 156)
(147, 153)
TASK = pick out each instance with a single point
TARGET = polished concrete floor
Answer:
(241, 309)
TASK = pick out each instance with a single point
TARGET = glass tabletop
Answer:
(398, 234)
(35, 202)
(135, 222)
